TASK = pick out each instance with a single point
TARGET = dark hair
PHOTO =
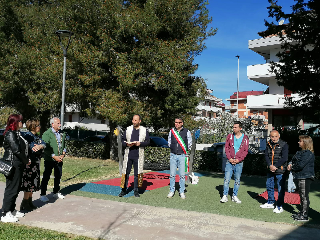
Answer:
(32, 124)
(180, 118)
(13, 121)
(238, 122)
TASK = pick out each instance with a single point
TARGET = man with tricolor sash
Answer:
(180, 141)
(134, 139)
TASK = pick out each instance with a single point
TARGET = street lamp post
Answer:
(64, 34)
(238, 89)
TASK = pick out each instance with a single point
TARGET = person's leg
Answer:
(128, 170)
(281, 181)
(237, 174)
(57, 176)
(11, 191)
(182, 165)
(135, 172)
(48, 166)
(303, 198)
(227, 176)
(307, 187)
(173, 171)
(270, 187)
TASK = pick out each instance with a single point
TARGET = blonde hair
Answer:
(307, 142)
(32, 124)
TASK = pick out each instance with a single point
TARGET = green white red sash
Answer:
(182, 145)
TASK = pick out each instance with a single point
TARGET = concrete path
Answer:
(103, 219)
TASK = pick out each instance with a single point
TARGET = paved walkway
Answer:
(105, 219)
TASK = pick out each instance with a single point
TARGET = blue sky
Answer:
(237, 21)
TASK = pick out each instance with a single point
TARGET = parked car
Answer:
(97, 138)
(158, 142)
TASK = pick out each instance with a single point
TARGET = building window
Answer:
(70, 118)
(103, 121)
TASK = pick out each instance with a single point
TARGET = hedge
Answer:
(87, 149)
(159, 158)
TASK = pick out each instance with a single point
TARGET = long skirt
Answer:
(31, 177)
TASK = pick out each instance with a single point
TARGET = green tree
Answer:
(126, 57)
(298, 68)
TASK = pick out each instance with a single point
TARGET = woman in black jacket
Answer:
(16, 151)
(302, 167)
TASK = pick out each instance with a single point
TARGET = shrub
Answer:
(87, 149)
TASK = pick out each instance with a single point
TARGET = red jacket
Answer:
(243, 150)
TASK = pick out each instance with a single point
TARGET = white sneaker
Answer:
(17, 214)
(278, 210)
(267, 205)
(44, 198)
(9, 218)
(58, 195)
(235, 199)
(170, 195)
(183, 196)
(224, 199)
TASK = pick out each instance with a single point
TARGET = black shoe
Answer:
(301, 218)
(122, 193)
(296, 215)
(136, 194)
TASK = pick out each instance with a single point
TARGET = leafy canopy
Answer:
(126, 57)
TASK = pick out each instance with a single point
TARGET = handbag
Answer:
(5, 167)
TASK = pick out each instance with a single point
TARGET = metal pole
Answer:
(238, 89)
(63, 87)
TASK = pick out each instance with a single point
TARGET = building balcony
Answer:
(263, 46)
(209, 108)
(269, 101)
(260, 73)
(231, 108)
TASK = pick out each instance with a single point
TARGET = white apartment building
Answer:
(72, 118)
(210, 107)
(274, 100)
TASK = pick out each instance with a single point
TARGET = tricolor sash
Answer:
(182, 145)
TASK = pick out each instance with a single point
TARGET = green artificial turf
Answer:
(205, 197)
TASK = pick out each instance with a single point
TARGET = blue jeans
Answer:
(177, 161)
(281, 181)
(230, 169)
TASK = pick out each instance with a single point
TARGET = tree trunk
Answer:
(113, 142)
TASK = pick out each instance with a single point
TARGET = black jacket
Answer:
(174, 145)
(303, 164)
(280, 158)
(14, 149)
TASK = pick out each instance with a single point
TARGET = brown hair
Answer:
(307, 142)
(32, 124)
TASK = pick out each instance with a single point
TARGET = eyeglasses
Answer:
(177, 122)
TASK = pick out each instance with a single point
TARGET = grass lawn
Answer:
(17, 232)
(203, 197)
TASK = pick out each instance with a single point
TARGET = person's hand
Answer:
(29, 162)
(37, 147)
(232, 161)
(236, 161)
(57, 158)
(137, 144)
(273, 168)
(289, 167)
